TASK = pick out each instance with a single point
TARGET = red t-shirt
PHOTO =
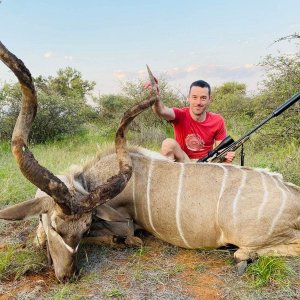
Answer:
(195, 138)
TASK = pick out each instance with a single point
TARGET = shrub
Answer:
(62, 107)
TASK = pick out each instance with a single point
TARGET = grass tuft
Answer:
(269, 270)
(15, 262)
(115, 293)
(5, 258)
(141, 251)
(201, 268)
(63, 293)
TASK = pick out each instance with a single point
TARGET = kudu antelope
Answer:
(190, 205)
(66, 208)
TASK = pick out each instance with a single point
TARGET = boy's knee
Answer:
(171, 149)
(167, 148)
(169, 143)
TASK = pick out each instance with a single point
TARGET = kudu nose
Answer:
(64, 278)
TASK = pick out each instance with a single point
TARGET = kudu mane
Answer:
(75, 174)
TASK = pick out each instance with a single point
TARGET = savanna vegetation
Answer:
(68, 130)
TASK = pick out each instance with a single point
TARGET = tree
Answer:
(135, 90)
(69, 83)
(151, 129)
(62, 106)
(281, 83)
(231, 101)
(10, 97)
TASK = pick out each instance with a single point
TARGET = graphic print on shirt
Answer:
(194, 142)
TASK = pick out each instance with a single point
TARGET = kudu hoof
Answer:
(241, 267)
(133, 241)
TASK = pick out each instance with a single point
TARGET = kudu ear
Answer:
(27, 209)
(108, 213)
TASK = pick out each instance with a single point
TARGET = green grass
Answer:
(284, 159)
(141, 251)
(15, 262)
(201, 268)
(268, 270)
(178, 268)
(64, 293)
(76, 290)
(57, 156)
(115, 293)
(5, 258)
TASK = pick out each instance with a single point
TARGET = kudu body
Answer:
(190, 205)
(206, 205)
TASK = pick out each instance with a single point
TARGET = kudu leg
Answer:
(242, 257)
(113, 233)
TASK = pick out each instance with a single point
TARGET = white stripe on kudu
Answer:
(237, 197)
(265, 196)
(133, 195)
(178, 207)
(282, 206)
(150, 171)
(224, 181)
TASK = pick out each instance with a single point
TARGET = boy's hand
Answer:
(229, 157)
(147, 85)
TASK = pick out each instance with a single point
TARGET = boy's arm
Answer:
(163, 111)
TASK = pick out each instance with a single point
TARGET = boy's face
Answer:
(199, 100)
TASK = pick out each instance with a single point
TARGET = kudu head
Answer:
(66, 211)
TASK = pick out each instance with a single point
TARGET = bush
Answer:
(281, 83)
(112, 107)
(62, 107)
(151, 129)
(10, 96)
(136, 92)
(57, 116)
(231, 102)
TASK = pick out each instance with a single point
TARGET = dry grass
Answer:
(156, 271)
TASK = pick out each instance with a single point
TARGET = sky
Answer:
(111, 41)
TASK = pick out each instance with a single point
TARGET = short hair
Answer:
(202, 84)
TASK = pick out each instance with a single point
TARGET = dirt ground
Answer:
(156, 271)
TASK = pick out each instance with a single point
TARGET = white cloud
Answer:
(249, 66)
(68, 57)
(181, 77)
(141, 72)
(192, 68)
(120, 74)
(49, 55)
(217, 71)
